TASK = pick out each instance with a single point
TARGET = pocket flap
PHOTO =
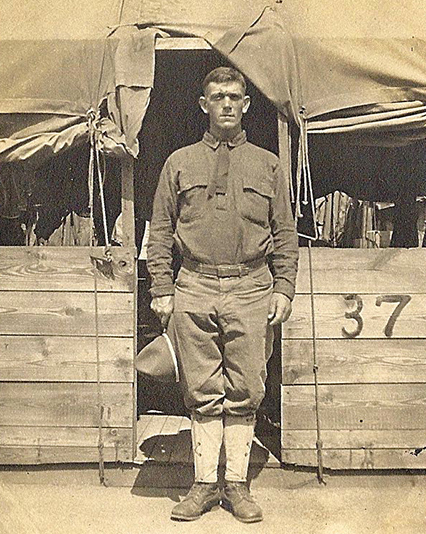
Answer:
(259, 185)
(187, 182)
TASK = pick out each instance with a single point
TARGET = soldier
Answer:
(225, 204)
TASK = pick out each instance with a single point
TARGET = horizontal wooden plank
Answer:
(355, 439)
(182, 43)
(354, 361)
(65, 269)
(183, 453)
(366, 316)
(358, 458)
(169, 439)
(65, 359)
(390, 270)
(149, 437)
(64, 404)
(12, 436)
(61, 313)
(355, 407)
(62, 454)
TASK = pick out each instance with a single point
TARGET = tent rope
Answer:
(319, 443)
(91, 115)
(105, 266)
(299, 213)
(303, 173)
(94, 161)
(102, 196)
(100, 402)
(120, 11)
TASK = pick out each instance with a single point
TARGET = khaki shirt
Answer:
(251, 220)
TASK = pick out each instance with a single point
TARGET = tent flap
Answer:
(303, 58)
(263, 51)
(118, 69)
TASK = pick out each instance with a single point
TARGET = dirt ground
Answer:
(139, 500)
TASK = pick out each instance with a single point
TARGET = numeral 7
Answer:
(403, 300)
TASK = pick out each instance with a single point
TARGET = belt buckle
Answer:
(223, 271)
(244, 269)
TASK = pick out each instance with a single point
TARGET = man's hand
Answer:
(279, 309)
(163, 307)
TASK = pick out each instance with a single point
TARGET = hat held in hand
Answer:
(158, 359)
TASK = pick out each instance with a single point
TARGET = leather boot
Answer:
(201, 498)
(237, 499)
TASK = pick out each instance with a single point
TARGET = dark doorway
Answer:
(173, 120)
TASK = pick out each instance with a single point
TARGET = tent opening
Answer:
(368, 195)
(174, 119)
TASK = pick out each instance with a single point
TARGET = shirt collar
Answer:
(212, 142)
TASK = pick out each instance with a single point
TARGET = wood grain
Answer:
(62, 454)
(65, 359)
(64, 269)
(358, 458)
(151, 434)
(65, 313)
(128, 201)
(391, 270)
(330, 317)
(12, 436)
(168, 441)
(182, 453)
(372, 388)
(355, 361)
(355, 439)
(64, 404)
(355, 407)
(182, 43)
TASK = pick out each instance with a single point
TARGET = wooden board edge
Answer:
(61, 455)
(355, 459)
(182, 43)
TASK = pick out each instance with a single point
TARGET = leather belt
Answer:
(223, 271)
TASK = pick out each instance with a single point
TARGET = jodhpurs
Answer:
(223, 340)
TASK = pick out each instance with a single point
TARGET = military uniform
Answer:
(225, 205)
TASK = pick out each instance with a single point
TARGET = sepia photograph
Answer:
(212, 310)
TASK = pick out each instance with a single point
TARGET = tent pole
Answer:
(129, 240)
(128, 202)
(284, 147)
(284, 153)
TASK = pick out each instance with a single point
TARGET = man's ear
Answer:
(202, 102)
(246, 104)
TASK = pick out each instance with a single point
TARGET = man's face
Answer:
(225, 104)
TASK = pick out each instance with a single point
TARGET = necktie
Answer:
(220, 178)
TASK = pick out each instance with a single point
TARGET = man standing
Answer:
(225, 204)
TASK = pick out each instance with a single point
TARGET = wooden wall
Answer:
(48, 360)
(370, 322)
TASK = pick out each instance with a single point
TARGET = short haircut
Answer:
(222, 75)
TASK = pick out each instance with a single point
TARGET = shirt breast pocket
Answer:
(256, 202)
(192, 197)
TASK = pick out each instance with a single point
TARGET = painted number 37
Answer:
(355, 314)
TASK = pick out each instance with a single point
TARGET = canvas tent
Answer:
(329, 67)
(75, 72)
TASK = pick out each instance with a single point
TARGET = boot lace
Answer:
(240, 491)
(198, 491)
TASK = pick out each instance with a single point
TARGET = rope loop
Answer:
(95, 133)
(303, 174)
